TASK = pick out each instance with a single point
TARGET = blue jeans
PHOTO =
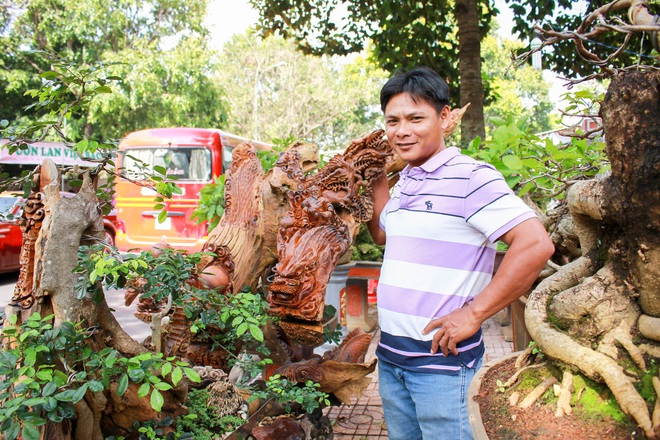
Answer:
(423, 405)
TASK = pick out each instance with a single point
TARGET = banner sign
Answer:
(38, 151)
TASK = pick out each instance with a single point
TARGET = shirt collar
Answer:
(435, 161)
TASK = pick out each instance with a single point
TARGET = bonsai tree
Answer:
(600, 313)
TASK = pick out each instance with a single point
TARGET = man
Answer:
(442, 221)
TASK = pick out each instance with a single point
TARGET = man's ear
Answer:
(445, 114)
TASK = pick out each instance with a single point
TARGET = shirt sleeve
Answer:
(491, 206)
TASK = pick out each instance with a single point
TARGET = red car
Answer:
(11, 237)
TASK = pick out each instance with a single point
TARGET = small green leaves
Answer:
(177, 375)
(157, 400)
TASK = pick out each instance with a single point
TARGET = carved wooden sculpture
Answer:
(326, 210)
(341, 371)
(47, 286)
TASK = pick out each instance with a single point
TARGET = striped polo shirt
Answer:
(442, 222)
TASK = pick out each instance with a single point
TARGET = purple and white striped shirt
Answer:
(441, 223)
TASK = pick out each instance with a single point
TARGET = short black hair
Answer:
(420, 83)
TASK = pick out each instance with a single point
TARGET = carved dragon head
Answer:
(310, 241)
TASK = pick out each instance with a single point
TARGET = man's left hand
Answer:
(452, 329)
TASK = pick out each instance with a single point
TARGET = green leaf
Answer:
(49, 389)
(79, 393)
(30, 357)
(163, 386)
(177, 375)
(123, 385)
(512, 162)
(143, 390)
(50, 75)
(192, 375)
(257, 333)
(30, 432)
(95, 386)
(162, 216)
(157, 400)
(12, 431)
(160, 170)
(103, 89)
(167, 367)
(241, 329)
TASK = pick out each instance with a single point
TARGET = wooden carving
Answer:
(30, 223)
(326, 210)
(341, 371)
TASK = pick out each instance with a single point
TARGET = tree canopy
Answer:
(405, 34)
(275, 91)
(158, 47)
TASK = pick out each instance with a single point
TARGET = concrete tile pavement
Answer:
(364, 419)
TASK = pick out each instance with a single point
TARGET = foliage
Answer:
(46, 370)
(521, 93)
(202, 420)
(364, 248)
(330, 335)
(211, 205)
(443, 35)
(233, 322)
(160, 276)
(65, 91)
(288, 393)
(159, 47)
(404, 33)
(540, 167)
(276, 92)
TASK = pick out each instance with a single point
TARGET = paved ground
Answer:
(364, 419)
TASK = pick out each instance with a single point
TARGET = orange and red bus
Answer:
(195, 156)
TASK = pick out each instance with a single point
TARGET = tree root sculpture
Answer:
(586, 315)
(46, 285)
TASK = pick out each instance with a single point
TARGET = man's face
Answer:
(414, 129)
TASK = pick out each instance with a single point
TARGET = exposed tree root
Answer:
(518, 372)
(561, 346)
(524, 357)
(564, 402)
(537, 392)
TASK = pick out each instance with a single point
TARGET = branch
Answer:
(641, 20)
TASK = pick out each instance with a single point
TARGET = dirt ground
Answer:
(503, 422)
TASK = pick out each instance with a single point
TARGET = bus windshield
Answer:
(184, 163)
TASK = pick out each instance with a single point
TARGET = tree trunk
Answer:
(602, 311)
(469, 66)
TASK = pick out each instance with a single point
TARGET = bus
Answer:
(195, 156)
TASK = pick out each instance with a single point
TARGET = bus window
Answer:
(226, 157)
(184, 163)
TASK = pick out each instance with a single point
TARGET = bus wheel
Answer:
(109, 238)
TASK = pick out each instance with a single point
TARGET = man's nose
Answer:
(404, 129)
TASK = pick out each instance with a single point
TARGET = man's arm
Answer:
(530, 248)
(381, 193)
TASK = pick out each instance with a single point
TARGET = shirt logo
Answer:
(429, 205)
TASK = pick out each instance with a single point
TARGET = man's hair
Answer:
(420, 83)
